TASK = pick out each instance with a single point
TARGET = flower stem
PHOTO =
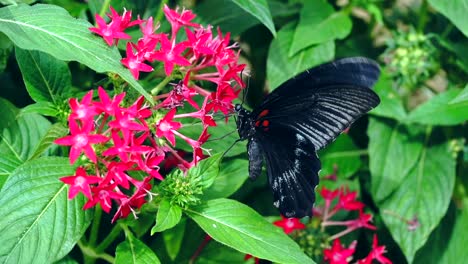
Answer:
(104, 8)
(161, 85)
(115, 232)
(340, 234)
(95, 227)
(160, 13)
(90, 255)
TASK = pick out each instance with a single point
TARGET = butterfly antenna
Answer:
(246, 90)
(228, 134)
(225, 152)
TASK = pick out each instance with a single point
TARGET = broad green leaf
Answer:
(133, 251)
(395, 144)
(440, 110)
(55, 131)
(225, 14)
(46, 78)
(18, 137)
(456, 250)
(173, 238)
(6, 48)
(258, 9)
(167, 217)
(39, 224)
(15, 2)
(319, 23)
(281, 66)
(424, 194)
(446, 243)
(240, 227)
(462, 97)
(343, 156)
(455, 11)
(52, 30)
(232, 175)
(391, 104)
(42, 108)
(207, 169)
(66, 260)
(215, 253)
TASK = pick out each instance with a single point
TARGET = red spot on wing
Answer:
(264, 113)
(257, 123)
(265, 123)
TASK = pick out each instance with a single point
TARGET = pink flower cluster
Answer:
(344, 199)
(338, 254)
(335, 201)
(119, 137)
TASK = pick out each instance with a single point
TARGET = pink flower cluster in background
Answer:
(120, 138)
(334, 202)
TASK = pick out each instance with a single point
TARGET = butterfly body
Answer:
(300, 117)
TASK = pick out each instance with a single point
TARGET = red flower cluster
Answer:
(289, 224)
(338, 254)
(120, 137)
(346, 201)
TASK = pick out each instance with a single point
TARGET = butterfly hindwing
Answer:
(292, 169)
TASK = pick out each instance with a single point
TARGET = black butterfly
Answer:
(300, 117)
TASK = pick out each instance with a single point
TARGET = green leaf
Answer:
(281, 67)
(167, 217)
(240, 227)
(446, 243)
(173, 238)
(232, 175)
(462, 97)
(207, 169)
(39, 224)
(441, 110)
(455, 11)
(424, 194)
(45, 77)
(134, 251)
(258, 9)
(391, 142)
(342, 155)
(55, 131)
(319, 23)
(18, 138)
(52, 30)
(226, 15)
(215, 253)
(42, 108)
(391, 104)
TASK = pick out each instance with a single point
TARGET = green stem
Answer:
(161, 85)
(104, 8)
(115, 232)
(95, 227)
(91, 255)
(160, 13)
(423, 16)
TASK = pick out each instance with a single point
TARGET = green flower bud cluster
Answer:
(181, 190)
(312, 241)
(456, 145)
(411, 58)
